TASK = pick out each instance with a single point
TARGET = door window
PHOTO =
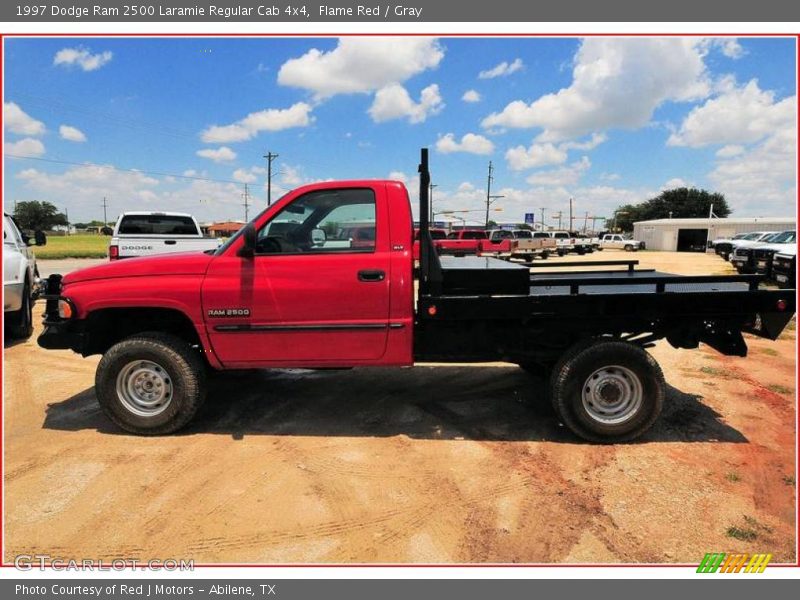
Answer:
(321, 222)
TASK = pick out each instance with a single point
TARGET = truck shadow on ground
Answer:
(442, 403)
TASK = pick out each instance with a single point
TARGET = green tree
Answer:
(678, 203)
(38, 215)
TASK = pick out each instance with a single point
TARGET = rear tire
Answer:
(628, 248)
(608, 391)
(545, 255)
(151, 384)
(19, 324)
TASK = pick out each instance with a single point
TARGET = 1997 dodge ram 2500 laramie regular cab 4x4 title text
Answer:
(293, 289)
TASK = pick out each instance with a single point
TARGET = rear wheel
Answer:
(151, 383)
(608, 391)
(628, 248)
(545, 255)
(19, 323)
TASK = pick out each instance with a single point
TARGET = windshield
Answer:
(752, 236)
(785, 237)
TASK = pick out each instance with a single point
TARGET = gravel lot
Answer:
(435, 464)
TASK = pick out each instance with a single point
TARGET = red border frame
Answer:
(796, 36)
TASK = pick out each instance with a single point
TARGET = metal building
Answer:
(690, 235)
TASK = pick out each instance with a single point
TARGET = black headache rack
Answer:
(610, 297)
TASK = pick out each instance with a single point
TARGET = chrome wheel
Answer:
(612, 395)
(144, 388)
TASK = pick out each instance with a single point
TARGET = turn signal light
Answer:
(781, 305)
(65, 310)
(113, 252)
(432, 310)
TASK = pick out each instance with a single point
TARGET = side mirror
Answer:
(248, 248)
(318, 237)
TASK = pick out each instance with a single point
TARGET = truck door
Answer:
(317, 289)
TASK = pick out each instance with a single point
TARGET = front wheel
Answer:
(608, 391)
(151, 384)
(19, 324)
(545, 255)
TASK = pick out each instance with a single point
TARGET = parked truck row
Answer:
(770, 253)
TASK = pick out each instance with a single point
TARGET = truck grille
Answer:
(743, 252)
(762, 253)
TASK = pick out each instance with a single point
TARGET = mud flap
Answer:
(770, 324)
(724, 339)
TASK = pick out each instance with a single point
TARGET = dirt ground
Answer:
(435, 464)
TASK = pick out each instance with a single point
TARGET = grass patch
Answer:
(732, 477)
(769, 351)
(789, 480)
(73, 246)
(743, 534)
(715, 372)
(779, 389)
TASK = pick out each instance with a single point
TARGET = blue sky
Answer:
(605, 120)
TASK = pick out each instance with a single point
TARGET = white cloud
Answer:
(470, 143)
(565, 176)
(586, 145)
(79, 187)
(71, 134)
(676, 182)
(730, 47)
(82, 58)
(18, 121)
(244, 176)
(738, 115)
(471, 96)
(394, 102)
(360, 65)
(218, 155)
(537, 155)
(24, 147)
(502, 70)
(617, 82)
(730, 151)
(761, 181)
(272, 119)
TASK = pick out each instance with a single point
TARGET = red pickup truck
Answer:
(289, 291)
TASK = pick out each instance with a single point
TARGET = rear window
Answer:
(157, 225)
(473, 235)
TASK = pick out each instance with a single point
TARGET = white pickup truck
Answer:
(148, 233)
(617, 241)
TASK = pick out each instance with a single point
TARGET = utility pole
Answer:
(270, 157)
(558, 216)
(585, 221)
(246, 197)
(66, 216)
(570, 215)
(430, 202)
(105, 216)
(489, 192)
(541, 223)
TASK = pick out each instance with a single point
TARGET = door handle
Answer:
(371, 275)
(170, 242)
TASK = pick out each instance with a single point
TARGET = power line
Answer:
(270, 157)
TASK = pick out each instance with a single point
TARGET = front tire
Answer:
(608, 391)
(19, 323)
(151, 384)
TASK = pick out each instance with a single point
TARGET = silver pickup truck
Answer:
(149, 233)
